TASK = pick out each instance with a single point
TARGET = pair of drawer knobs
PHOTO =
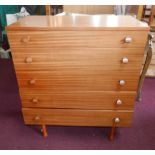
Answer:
(116, 120)
(124, 60)
(121, 82)
(118, 102)
(26, 39)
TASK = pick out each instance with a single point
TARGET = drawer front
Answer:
(73, 117)
(109, 80)
(69, 39)
(83, 59)
(80, 100)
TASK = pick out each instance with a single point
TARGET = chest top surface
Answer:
(86, 22)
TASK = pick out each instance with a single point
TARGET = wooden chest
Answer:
(78, 71)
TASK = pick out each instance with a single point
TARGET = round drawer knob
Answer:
(125, 60)
(35, 100)
(118, 102)
(117, 120)
(25, 39)
(128, 40)
(37, 118)
(122, 82)
(32, 81)
(28, 60)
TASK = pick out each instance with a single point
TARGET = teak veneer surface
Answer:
(76, 117)
(76, 39)
(97, 22)
(61, 61)
(68, 68)
(79, 100)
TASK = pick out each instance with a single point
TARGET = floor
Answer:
(15, 135)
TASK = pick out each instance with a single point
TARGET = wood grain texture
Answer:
(74, 117)
(106, 81)
(76, 39)
(83, 59)
(68, 68)
(78, 23)
(79, 100)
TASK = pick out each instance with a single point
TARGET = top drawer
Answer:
(71, 39)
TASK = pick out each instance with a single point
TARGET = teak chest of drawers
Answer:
(78, 71)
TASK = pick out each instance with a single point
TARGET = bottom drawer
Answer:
(74, 117)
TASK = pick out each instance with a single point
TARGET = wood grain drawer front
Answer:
(74, 117)
(86, 59)
(69, 39)
(80, 100)
(109, 80)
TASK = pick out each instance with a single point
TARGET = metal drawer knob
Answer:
(32, 81)
(37, 118)
(128, 40)
(118, 102)
(125, 60)
(25, 39)
(122, 82)
(117, 120)
(28, 60)
(35, 100)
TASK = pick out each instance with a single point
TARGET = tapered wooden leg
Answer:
(113, 129)
(43, 130)
(112, 132)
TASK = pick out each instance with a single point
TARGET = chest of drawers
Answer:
(78, 71)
